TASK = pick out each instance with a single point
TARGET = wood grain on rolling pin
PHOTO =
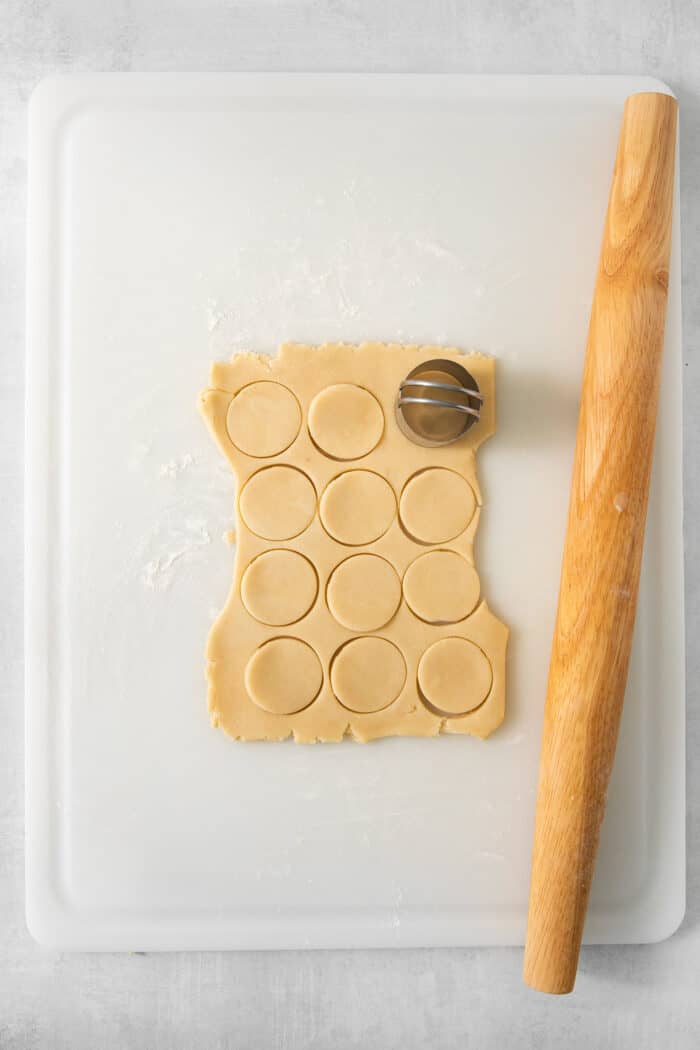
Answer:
(604, 539)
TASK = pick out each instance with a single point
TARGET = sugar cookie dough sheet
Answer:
(355, 607)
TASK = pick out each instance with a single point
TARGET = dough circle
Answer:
(279, 587)
(277, 503)
(363, 592)
(454, 676)
(283, 676)
(441, 587)
(263, 419)
(345, 421)
(436, 505)
(357, 507)
(367, 674)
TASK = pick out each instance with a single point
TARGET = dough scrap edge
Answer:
(274, 363)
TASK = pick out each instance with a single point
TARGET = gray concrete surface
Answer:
(627, 997)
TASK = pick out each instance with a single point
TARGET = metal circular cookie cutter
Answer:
(437, 403)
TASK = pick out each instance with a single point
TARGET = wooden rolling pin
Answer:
(604, 538)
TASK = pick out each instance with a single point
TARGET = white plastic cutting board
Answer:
(174, 219)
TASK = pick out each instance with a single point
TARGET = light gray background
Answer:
(625, 997)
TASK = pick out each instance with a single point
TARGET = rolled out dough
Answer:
(363, 592)
(357, 507)
(283, 676)
(277, 503)
(367, 674)
(263, 419)
(454, 676)
(441, 587)
(279, 587)
(436, 505)
(355, 607)
(345, 421)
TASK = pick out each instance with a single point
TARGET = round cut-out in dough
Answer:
(454, 676)
(441, 587)
(363, 592)
(263, 419)
(279, 587)
(283, 676)
(345, 421)
(436, 505)
(278, 502)
(367, 674)
(357, 507)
